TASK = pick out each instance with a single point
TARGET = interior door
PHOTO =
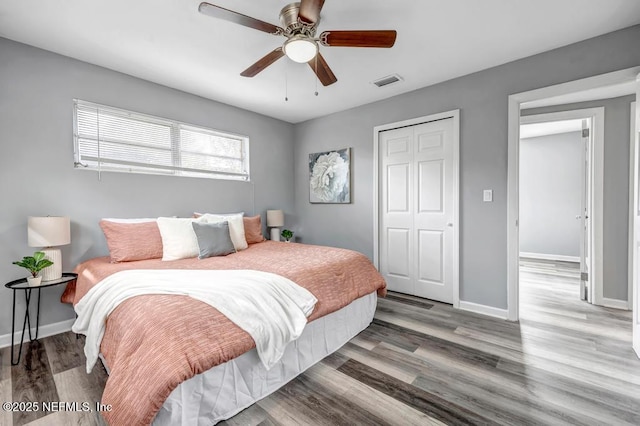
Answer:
(433, 177)
(416, 209)
(636, 219)
(585, 224)
(396, 218)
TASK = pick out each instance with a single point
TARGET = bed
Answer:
(175, 360)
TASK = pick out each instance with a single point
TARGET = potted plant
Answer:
(287, 235)
(34, 264)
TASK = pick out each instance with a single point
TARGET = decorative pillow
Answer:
(128, 241)
(137, 220)
(236, 227)
(213, 239)
(253, 229)
(179, 241)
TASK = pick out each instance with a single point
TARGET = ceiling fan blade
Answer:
(322, 70)
(238, 18)
(375, 38)
(267, 60)
(310, 11)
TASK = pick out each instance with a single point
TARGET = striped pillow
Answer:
(132, 241)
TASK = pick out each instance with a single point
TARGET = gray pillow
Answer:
(213, 239)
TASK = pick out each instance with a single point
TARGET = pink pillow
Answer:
(132, 241)
(253, 229)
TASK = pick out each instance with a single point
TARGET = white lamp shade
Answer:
(300, 49)
(275, 218)
(49, 231)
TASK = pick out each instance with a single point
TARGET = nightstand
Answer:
(22, 284)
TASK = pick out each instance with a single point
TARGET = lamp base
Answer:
(275, 234)
(53, 272)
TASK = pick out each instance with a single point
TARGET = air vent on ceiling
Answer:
(385, 81)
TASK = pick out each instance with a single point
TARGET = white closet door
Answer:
(433, 223)
(416, 226)
(397, 205)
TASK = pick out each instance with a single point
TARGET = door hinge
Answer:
(585, 133)
(584, 276)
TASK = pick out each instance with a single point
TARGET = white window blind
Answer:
(112, 139)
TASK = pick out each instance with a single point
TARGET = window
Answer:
(112, 139)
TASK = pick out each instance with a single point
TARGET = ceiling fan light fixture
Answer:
(300, 49)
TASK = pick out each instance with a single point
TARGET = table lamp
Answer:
(49, 232)
(275, 219)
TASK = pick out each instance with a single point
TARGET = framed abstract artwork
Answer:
(330, 176)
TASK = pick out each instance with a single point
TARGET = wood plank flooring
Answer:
(418, 363)
(51, 370)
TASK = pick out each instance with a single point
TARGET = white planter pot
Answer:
(34, 281)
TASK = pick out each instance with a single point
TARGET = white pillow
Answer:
(179, 241)
(236, 227)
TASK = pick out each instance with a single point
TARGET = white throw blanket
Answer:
(271, 308)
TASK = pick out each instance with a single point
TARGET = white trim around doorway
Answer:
(455, 115)
(514, 104)
(615, 303)
(552, 257)
(632, 215)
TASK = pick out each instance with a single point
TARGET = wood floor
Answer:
(419, 363)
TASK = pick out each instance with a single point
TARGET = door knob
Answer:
(450, 225)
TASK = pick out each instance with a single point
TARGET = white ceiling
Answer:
(170, 43)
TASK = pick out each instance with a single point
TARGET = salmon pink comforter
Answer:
(152, 343)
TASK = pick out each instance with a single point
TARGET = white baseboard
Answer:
(484, 310)
(615, 303)
(544, 256)
(45, 331)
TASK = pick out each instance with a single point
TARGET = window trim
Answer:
(175, 127)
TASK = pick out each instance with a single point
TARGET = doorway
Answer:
(557, 195)
(416, 195)
(592, 88)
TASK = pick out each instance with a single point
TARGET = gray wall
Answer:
(482, 99)
(617, 128)
(36, 161)
(550, 194)
(37, 176)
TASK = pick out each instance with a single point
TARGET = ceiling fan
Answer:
(299, 24)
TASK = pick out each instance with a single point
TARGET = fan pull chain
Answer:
(286, 83)
(316, 76)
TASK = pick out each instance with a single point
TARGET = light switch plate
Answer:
(487, 195)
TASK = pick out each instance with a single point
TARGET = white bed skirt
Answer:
(227, 389)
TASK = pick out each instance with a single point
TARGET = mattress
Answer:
(227, 389)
